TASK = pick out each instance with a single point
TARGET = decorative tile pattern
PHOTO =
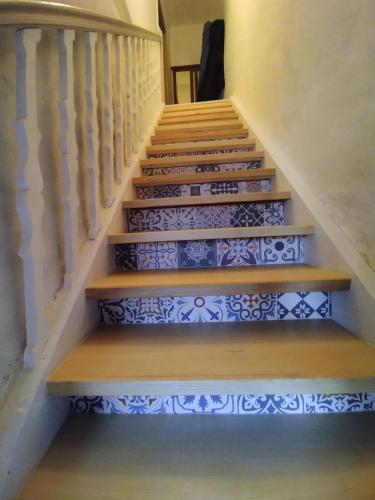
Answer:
(206, 216)
(188, 169)
(307, 305)
(195, 153)
(210, 404)
(199, 310)
(158, 255)
(206, 189)
(255, 307)
(200, 253)
(209, 253)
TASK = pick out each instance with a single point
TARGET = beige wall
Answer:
(304, 71)
(185, 43)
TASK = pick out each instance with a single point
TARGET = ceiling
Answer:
(180, 12)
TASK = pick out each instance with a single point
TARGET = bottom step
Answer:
(310, 457)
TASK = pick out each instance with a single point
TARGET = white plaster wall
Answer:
(185, 44)
(305, 72)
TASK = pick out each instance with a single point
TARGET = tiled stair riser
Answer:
(207, 189)
(209, 253)
(195, 153)
(223, 308)
(206, 216)
(209, 404)
(192, 169)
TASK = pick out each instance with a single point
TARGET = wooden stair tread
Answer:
(223, 115)
(201, 177)
(202, 457)
(175, 108)
(211, 234)
(212, 159)
(193, 147)
(208, 200)
(217, 358)
(209, 125)
(199, 136)
(198, 112)
(218, 281)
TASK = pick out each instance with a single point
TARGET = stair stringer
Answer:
(328, 246)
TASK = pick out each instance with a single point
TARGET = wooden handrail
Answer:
(39, 14)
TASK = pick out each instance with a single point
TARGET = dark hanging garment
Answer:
(205, 49)
(212, 82)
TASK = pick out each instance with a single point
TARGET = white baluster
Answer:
(128, 99)
(29, 185)
(68, 152)
(106, 116)
(135, 121)
(91, 162)
(118, 110)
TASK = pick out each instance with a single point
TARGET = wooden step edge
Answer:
(168, 120)
(170, 387)
(301, 353)
(211, 234)
(201, 146)
(172, 108)
(217, 159)
(198, 112)
(192, 127)
(208, 200)
(218, 281)
(199, 136)
(200, 178)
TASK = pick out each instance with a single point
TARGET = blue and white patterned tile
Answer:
(161, 219)
(207, 216)
(195, 153)
(237, 252)
(281, 250)
(304, 305)
(200, 253)
(164, 191)
(225, 404)
(248, 215)
(126, 257)
(255, 307)
(158, 255)
(273, 213)
(200, 310)
(204, 189)
(241, 307)
(188, 169)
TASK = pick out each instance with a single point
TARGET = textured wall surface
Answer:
(305, 72)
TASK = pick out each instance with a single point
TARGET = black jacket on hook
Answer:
(211, 80)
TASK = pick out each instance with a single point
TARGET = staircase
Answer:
(211, 307)
(211, 310)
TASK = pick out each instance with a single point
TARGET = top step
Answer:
(201, 147)
(171, 108)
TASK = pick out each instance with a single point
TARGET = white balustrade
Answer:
(105, 101)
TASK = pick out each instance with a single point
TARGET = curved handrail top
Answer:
(40, 14)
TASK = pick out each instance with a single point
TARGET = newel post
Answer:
(29, 186)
